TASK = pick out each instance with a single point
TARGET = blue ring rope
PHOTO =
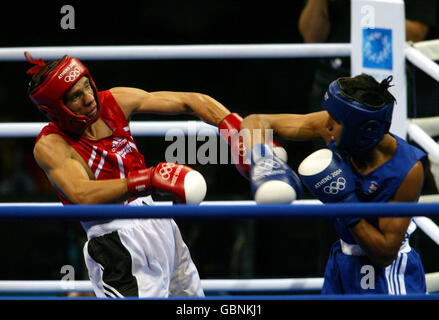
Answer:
(269, 211)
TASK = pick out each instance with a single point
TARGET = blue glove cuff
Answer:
(349, 221)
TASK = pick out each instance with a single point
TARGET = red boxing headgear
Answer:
(48, 95)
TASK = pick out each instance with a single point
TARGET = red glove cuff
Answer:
(275, 143)
(139, 181)
(229, 126)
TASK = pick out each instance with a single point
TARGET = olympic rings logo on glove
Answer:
(166, 169)
(72, 75)
(265, 166)
(268, 164)
(335, 186)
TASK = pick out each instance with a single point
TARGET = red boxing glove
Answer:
(229, 129)
(184, 183)
(230, 126)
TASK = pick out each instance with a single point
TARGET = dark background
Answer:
(224, 248)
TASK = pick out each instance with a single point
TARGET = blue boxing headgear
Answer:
(363, 125)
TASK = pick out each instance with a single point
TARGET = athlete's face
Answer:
(80, 98)
(334, 128)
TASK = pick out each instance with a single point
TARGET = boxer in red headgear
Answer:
(48, 95)
(90, 157)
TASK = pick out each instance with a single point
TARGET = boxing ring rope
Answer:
(424, 140)
(162, 52)
(422, 62)
(138, 128)
(424, 223)
(162, 128)
(266, 211)
(216, 210)
(209, 285)
(423, 55)
(429, 48)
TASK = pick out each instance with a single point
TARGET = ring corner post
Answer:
(378, 44)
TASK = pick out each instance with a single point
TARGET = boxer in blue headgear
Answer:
(375, 166)
(364, 124)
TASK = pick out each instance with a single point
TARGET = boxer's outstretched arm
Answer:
(133, 100)
(309, 126)
(70, 177)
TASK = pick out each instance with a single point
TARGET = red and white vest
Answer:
(111, 157)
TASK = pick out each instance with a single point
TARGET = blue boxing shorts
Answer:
(350, 271)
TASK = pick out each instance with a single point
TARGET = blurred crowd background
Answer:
(36, 250)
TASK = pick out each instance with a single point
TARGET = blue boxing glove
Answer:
(271, 179)
(330, 179)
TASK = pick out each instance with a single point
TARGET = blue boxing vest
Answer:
(381, 184)
(346, 268)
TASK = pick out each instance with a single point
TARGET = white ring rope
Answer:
(428, 124)
(429, 48)
(422, 62)
(209, 285)
(214, 51)
(138, 128)
(219, 51)
(429, 227)
(424, 140)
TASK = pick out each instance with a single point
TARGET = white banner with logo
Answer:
(378, 42)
